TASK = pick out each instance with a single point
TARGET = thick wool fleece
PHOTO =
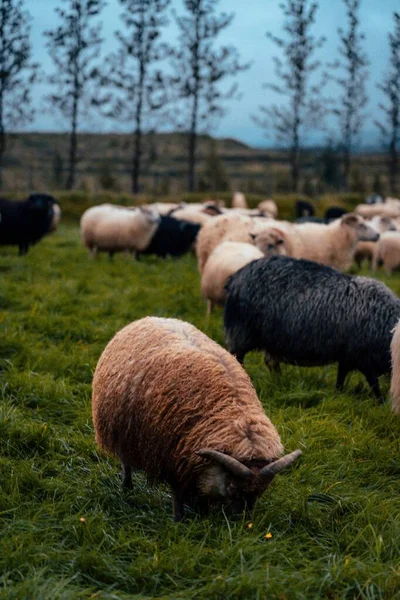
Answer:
(228, 227)
(226, 259)
(163, 390)
(113, 228)
(308, 314)
(387, 251)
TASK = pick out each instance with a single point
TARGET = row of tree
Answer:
(147, 82)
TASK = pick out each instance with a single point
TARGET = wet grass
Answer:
(67, 528)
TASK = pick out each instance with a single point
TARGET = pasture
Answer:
(328, 528)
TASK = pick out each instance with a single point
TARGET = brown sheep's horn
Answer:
(230, 463)
(279, 465)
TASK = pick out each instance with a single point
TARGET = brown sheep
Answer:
(171, 402)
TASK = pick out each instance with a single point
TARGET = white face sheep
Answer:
(171, 402)
(112, 228)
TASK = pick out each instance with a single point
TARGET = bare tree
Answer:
(200, 69)
(353, 99)
(138, 86)
(74, 47)
(297, 72)
(17, 73)
(390, 87)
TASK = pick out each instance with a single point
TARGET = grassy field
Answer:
(68, 530)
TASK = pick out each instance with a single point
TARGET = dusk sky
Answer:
(253, 19)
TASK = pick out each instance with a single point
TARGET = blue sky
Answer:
(253, 18)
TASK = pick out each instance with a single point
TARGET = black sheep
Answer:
(304, 209)
(24, 223)
(172, 238)
(304, 313)
(334, 212)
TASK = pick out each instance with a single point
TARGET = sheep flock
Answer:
(171, 402)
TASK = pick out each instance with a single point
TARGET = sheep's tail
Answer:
(395, 383)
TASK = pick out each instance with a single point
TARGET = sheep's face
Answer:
(270, 242)
(236, 494)
(237, 485)
(150, 214)
(365, 232)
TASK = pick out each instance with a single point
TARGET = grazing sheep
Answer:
(229, 257)
(334, 212)
(366, 250)
(239, 200)
(303, 313)
(388, 209)
(111, 229)
(387, 253)
(395, 382)
(24, 223)
(194, 214)
(230, 227)
(172, 238)
(333, 245)
(226, 259)
(171, 402)
(269, 207)
(304, 209)
(163, 208)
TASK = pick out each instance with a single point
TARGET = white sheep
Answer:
(226, 259)
(333, 245)
(229, 257)
(111, 229)
(389, 209)
(228, 227)
(387, 253)
(239, 200)
(269, 207)
(365, 250)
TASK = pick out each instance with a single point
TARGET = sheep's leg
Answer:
(210, 307)
(272, 363)
(111, 255)
(177, 507)
(342, 373)
(93, 252)
(126, 476)
(373, 382)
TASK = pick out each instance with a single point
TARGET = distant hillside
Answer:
(39, 161)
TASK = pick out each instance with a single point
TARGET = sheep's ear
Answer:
(253, 236)
(350, 219)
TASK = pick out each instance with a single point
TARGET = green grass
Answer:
(334, 518)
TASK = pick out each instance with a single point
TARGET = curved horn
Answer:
(230, 463)
(279, 465)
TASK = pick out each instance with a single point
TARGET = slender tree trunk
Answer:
(295, 152)
(192, 146)
(137, 144)
(73, 145)
(393, 165)
(2, 143)
(346, 166)
(195, 109)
